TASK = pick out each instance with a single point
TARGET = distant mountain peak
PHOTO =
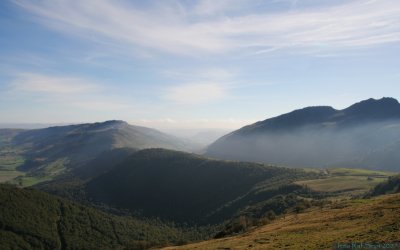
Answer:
(364, 134)
(81, 143)
(313, 110)
(114, 122)
(108, 124)
(371, 102)
(384, 108)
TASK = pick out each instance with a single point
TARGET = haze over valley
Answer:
(364, 135)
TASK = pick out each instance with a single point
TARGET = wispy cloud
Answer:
(180, 28)
(196, 93)
(205, 74)
(212, 7)
(56, 90)
(31, 82)
(102, 104)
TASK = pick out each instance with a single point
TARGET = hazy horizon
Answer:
(182, 128)
(204, 135)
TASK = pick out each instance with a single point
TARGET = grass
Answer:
(7, 175)
(21, 178)
(10, 158)
(55, 167)
(342, 184)
(347, 181)
(26, 180)
(10, 162)
(4, 140)
(45, 173)
(375, 220)
(359, 172)
(8, 165)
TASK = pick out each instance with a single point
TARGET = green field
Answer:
(45, 173)
(11, 159)
(9, 162)
(359, 172)
(346, 181)
(6, 175)
(26, 180)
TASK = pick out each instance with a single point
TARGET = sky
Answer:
(174, 64)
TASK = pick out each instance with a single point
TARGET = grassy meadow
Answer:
(363, 221)
(346, 181)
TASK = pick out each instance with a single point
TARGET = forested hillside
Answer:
(30, 219)
(188, 188)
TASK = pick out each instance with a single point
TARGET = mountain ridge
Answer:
(48, 152)
(320, 136)
(313, 114)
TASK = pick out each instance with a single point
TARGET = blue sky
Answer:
(192, 64)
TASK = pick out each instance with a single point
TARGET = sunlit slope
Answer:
(83, 142)
(42, 154)
(375, 220)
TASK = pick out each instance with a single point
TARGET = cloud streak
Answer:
(205, 28)
(31, 82)
(75, 92)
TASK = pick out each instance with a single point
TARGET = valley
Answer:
(139, 182)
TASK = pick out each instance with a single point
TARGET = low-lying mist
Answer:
(372, 145)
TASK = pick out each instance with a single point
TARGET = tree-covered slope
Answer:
(188, 188)
(30, 219)
(391, 186)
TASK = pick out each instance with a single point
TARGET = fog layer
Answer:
(374, 145)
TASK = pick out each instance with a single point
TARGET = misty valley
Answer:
(312, 178)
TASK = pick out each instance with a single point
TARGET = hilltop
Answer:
(189, 188)
(42, 154)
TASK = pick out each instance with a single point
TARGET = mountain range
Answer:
(54, 150)
(124, 186)
(364, 135)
